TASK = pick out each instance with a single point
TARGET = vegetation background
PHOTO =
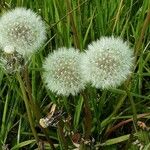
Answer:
(116, 113)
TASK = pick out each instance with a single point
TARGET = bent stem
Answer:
(123, 123)
(27, 107)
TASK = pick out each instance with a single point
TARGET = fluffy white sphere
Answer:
(107, 62)
(22, 29)
(63, 72)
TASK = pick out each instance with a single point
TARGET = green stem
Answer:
(27, 107)
(88, 117)
(34, 107)
(87, 122)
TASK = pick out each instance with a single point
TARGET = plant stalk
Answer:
(74, 29)
(33, 105)
(27, 107)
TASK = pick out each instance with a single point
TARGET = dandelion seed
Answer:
(107, 62)
(62, 72)
(23, 30)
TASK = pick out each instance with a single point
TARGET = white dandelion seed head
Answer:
(22, 29)
(107, 62)
(63, 72)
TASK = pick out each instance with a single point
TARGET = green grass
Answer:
(77, 23)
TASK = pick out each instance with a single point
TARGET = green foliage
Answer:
(77, 23)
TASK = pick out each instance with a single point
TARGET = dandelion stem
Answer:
(33, 105)
(27, 107)
(29, 92)
(87, 121)
(88, 117)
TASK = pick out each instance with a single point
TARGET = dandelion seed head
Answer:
(22, 29)
(107, 62)
(62, 72)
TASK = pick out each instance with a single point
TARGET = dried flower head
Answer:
(22, 30)
(62, 72)
(107, 62)
(11, 61)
